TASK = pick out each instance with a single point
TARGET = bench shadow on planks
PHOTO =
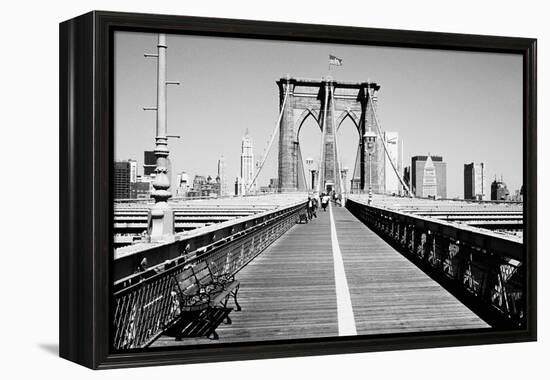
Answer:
(203, 294)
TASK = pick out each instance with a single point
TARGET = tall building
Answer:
(133, 171)
(140, 190)
(392, 182)
(143, 187)
(499, 191)
(407, 176)
(204, 187)
(121, 184)
(429, 179)
(517, 196)
(217, 186)
(429, 176)
(238, 186)
(222, 176)
(474, 181)
(182, 184)
(149, 162)
(247, 164)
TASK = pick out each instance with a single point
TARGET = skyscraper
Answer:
(140, 190)
(121, 186)
(429, 179)
(150, 165)
(182, 184)
(392, 181)
(149, 162)
(247, 164)
(133, 171)
(499, 191)
(238, 186)
(407, 176)
(474, 181)
(222, 176)
(435, 185)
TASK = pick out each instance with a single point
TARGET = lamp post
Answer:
(370, 140)
(161, 215)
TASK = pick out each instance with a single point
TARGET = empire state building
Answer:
(247, 164)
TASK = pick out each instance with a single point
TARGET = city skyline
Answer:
(461, 120)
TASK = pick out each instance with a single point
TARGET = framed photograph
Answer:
(235, 189)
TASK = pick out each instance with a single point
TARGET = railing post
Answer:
(403, 239)
(450, 259)
(411, 246)
(430, 242)
(439, 251)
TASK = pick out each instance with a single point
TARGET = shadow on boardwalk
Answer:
(288, 291)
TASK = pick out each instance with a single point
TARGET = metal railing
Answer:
(146, 303)
(485, 270)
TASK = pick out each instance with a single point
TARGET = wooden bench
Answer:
(219, 285)
(199, 324)
(203, 297)
(303, 218)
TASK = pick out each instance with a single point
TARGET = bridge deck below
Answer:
(292, 289)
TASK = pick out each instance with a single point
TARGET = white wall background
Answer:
(29, 136)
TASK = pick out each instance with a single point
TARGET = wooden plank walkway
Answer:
(389, 293)
(289, 292)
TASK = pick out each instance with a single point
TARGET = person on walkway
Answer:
(314, 206)
(309, 207)
(324, 201)
(339, 199)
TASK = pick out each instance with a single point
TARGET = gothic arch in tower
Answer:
(329, 102)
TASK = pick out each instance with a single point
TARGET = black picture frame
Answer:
(86, 152)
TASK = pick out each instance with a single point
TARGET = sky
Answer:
(464, 106)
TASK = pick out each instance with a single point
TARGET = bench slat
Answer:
(225, 293)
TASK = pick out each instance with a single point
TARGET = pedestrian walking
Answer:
(324, 201)
(314, 207)
(309, 207)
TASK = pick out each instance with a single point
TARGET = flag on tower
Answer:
(334, 60)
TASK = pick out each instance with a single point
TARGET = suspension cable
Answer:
(338, 162)
(376, 122)
(273, 134)
(321, 164)
(304, 175)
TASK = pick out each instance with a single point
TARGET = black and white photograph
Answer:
(270, 190)
(275, 190)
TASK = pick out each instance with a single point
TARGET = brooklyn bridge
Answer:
(261, 267)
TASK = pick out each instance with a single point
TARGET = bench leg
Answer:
(238, 307)
(213, 335)
(228, 320)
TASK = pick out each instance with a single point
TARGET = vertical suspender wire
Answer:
(377, 124)
(321, 163)
(338, 162)
(304, 175)
(273, 134)
(402, 167)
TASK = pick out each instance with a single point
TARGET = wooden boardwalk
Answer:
(289, 291)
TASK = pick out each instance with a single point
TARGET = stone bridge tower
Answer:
(329, 103)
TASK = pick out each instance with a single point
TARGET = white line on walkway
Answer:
(346, 320)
